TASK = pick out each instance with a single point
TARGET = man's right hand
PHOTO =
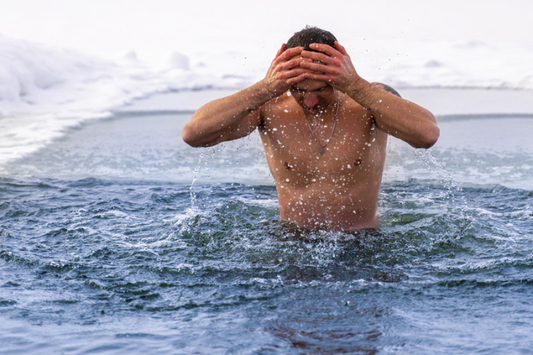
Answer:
(285, 71)
(237, 115)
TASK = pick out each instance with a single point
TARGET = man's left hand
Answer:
(330, 65)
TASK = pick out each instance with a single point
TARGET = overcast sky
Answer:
(152, 28)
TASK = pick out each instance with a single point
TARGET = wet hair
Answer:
(310, 35)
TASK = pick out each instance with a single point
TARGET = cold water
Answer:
(120, 239)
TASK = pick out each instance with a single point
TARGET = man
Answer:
(324, 131)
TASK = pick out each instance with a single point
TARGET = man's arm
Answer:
(394, 115)
(387, 88)
(225, 119)
(238, 115)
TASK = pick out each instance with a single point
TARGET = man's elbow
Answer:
(195, 140)
(429, 137)
(189, 137)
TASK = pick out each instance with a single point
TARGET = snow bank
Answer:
(38, 79)
(44, 91)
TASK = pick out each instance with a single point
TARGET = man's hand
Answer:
(285, 71)
(330, 65)
(392, 114)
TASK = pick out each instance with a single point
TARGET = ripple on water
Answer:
(92, 253)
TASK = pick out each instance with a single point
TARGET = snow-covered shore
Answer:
(46, 90)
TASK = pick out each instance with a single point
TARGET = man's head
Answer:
(310, 35)
(313, 95)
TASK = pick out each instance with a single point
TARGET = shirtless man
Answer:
(324, 131)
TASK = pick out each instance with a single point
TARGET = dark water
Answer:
(107, 248)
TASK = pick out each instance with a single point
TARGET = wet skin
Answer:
(309, 91)
(335, 191)
(339, 189)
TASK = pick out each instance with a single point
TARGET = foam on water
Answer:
(88, 263)
(105, 246)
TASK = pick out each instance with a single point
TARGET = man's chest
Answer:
(347, 147)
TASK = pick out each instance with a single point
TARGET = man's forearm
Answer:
(396, 116)
(233, 116)
(218, 120)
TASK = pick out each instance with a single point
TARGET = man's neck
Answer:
(326, 115)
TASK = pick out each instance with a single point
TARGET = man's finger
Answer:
(340, 48)
(317, 67)
(324, 48)
(320, 77)
(297, 79)
(280, 50)
(291, 52)
(318, 57)
(292, 63)
(294, 73)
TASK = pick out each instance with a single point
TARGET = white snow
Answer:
(59, 62)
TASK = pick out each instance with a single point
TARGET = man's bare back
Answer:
(324, 131)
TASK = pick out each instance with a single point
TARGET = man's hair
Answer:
(310, 35)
